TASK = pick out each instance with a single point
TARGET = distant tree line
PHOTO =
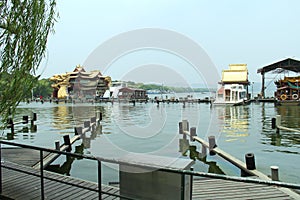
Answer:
(42, 88)
(165, 88)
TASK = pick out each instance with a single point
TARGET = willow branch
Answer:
(8, 28)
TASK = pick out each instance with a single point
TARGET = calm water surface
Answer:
(152, 129)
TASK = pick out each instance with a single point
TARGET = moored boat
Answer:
(287, 92)
(233, 88)
(231, 94)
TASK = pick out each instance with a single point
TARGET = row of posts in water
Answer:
(91, 126)
(213, 150)
(11, 124)
(94, 126)
(133, 101)
(276, 124)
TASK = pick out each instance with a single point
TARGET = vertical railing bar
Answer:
(182, 186)
(99, 180)
(42, 175)
(0, 168)
(191, 184)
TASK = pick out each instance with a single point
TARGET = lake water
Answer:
(152, 129)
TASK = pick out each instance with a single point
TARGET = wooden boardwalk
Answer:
(18, 185)
(208, 188)
(22, 156)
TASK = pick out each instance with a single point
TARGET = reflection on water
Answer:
(139, 122)
(234, 120)
(62, 117)
(290, 117)
(146, 128)
(196, 155)
(65, 167)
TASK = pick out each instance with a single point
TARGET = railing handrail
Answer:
(48, 150)
(179, 171)
(41, 150)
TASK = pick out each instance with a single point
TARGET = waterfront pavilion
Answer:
(286, 64)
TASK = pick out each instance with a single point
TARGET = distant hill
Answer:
(163, 88)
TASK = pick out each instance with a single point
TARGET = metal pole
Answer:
(297, 89)
(252, 95)
(99, 180)
(182, 186)
(191, 184)
(42, 175)
(263, 85)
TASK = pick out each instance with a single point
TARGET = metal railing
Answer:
(114, 161)
(41, 174)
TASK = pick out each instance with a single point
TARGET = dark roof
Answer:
(287, 64)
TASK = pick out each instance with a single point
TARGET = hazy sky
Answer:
(256, 32)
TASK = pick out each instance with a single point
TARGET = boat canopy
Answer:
(237, 73)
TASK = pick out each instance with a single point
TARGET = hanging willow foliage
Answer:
(24, 29)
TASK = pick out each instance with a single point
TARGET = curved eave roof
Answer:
(287, 64)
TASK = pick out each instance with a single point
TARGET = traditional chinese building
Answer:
(80, 84)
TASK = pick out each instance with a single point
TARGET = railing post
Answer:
(182, 186)
(99, 180)
(42, 174)
(191, 184)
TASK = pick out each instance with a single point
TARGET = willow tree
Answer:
(24, 29)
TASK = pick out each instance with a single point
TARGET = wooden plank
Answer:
(36, 192)
(242, 191)
(251, 196)
(76, 193)
(17, 190)
(241, 194)
(105, 196)
(226, 189)
(21, 156)
(93, 196)
(288, 129)
(86, 195)
(52, 188)
(219, 185)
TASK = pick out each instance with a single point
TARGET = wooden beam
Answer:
(52, 156)
(240, 164)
